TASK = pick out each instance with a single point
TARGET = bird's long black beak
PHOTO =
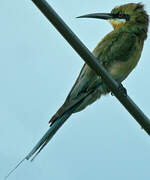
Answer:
(98, 16)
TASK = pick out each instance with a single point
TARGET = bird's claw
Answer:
(112, 94)
(122, 90)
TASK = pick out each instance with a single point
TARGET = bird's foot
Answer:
(122, 90)
(112, 94)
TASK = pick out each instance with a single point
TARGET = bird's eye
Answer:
(120, 15)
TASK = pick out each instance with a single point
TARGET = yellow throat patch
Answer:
(116, 23)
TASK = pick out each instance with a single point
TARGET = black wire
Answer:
(89, 58)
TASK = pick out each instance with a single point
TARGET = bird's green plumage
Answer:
(119, 52)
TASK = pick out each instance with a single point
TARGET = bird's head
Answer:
(132, 15)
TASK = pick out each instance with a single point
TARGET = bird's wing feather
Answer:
(112, 47)
(116, 46)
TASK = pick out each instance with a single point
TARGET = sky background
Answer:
(37, 70)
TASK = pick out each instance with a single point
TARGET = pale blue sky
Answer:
(37, 70)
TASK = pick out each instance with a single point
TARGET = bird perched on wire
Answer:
(119, 52)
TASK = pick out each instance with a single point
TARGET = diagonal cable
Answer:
(91, 60)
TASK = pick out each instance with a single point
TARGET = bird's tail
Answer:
(56, 122)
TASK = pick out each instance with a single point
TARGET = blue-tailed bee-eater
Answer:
(119, 52)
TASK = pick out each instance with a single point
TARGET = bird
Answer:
(119, 52)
